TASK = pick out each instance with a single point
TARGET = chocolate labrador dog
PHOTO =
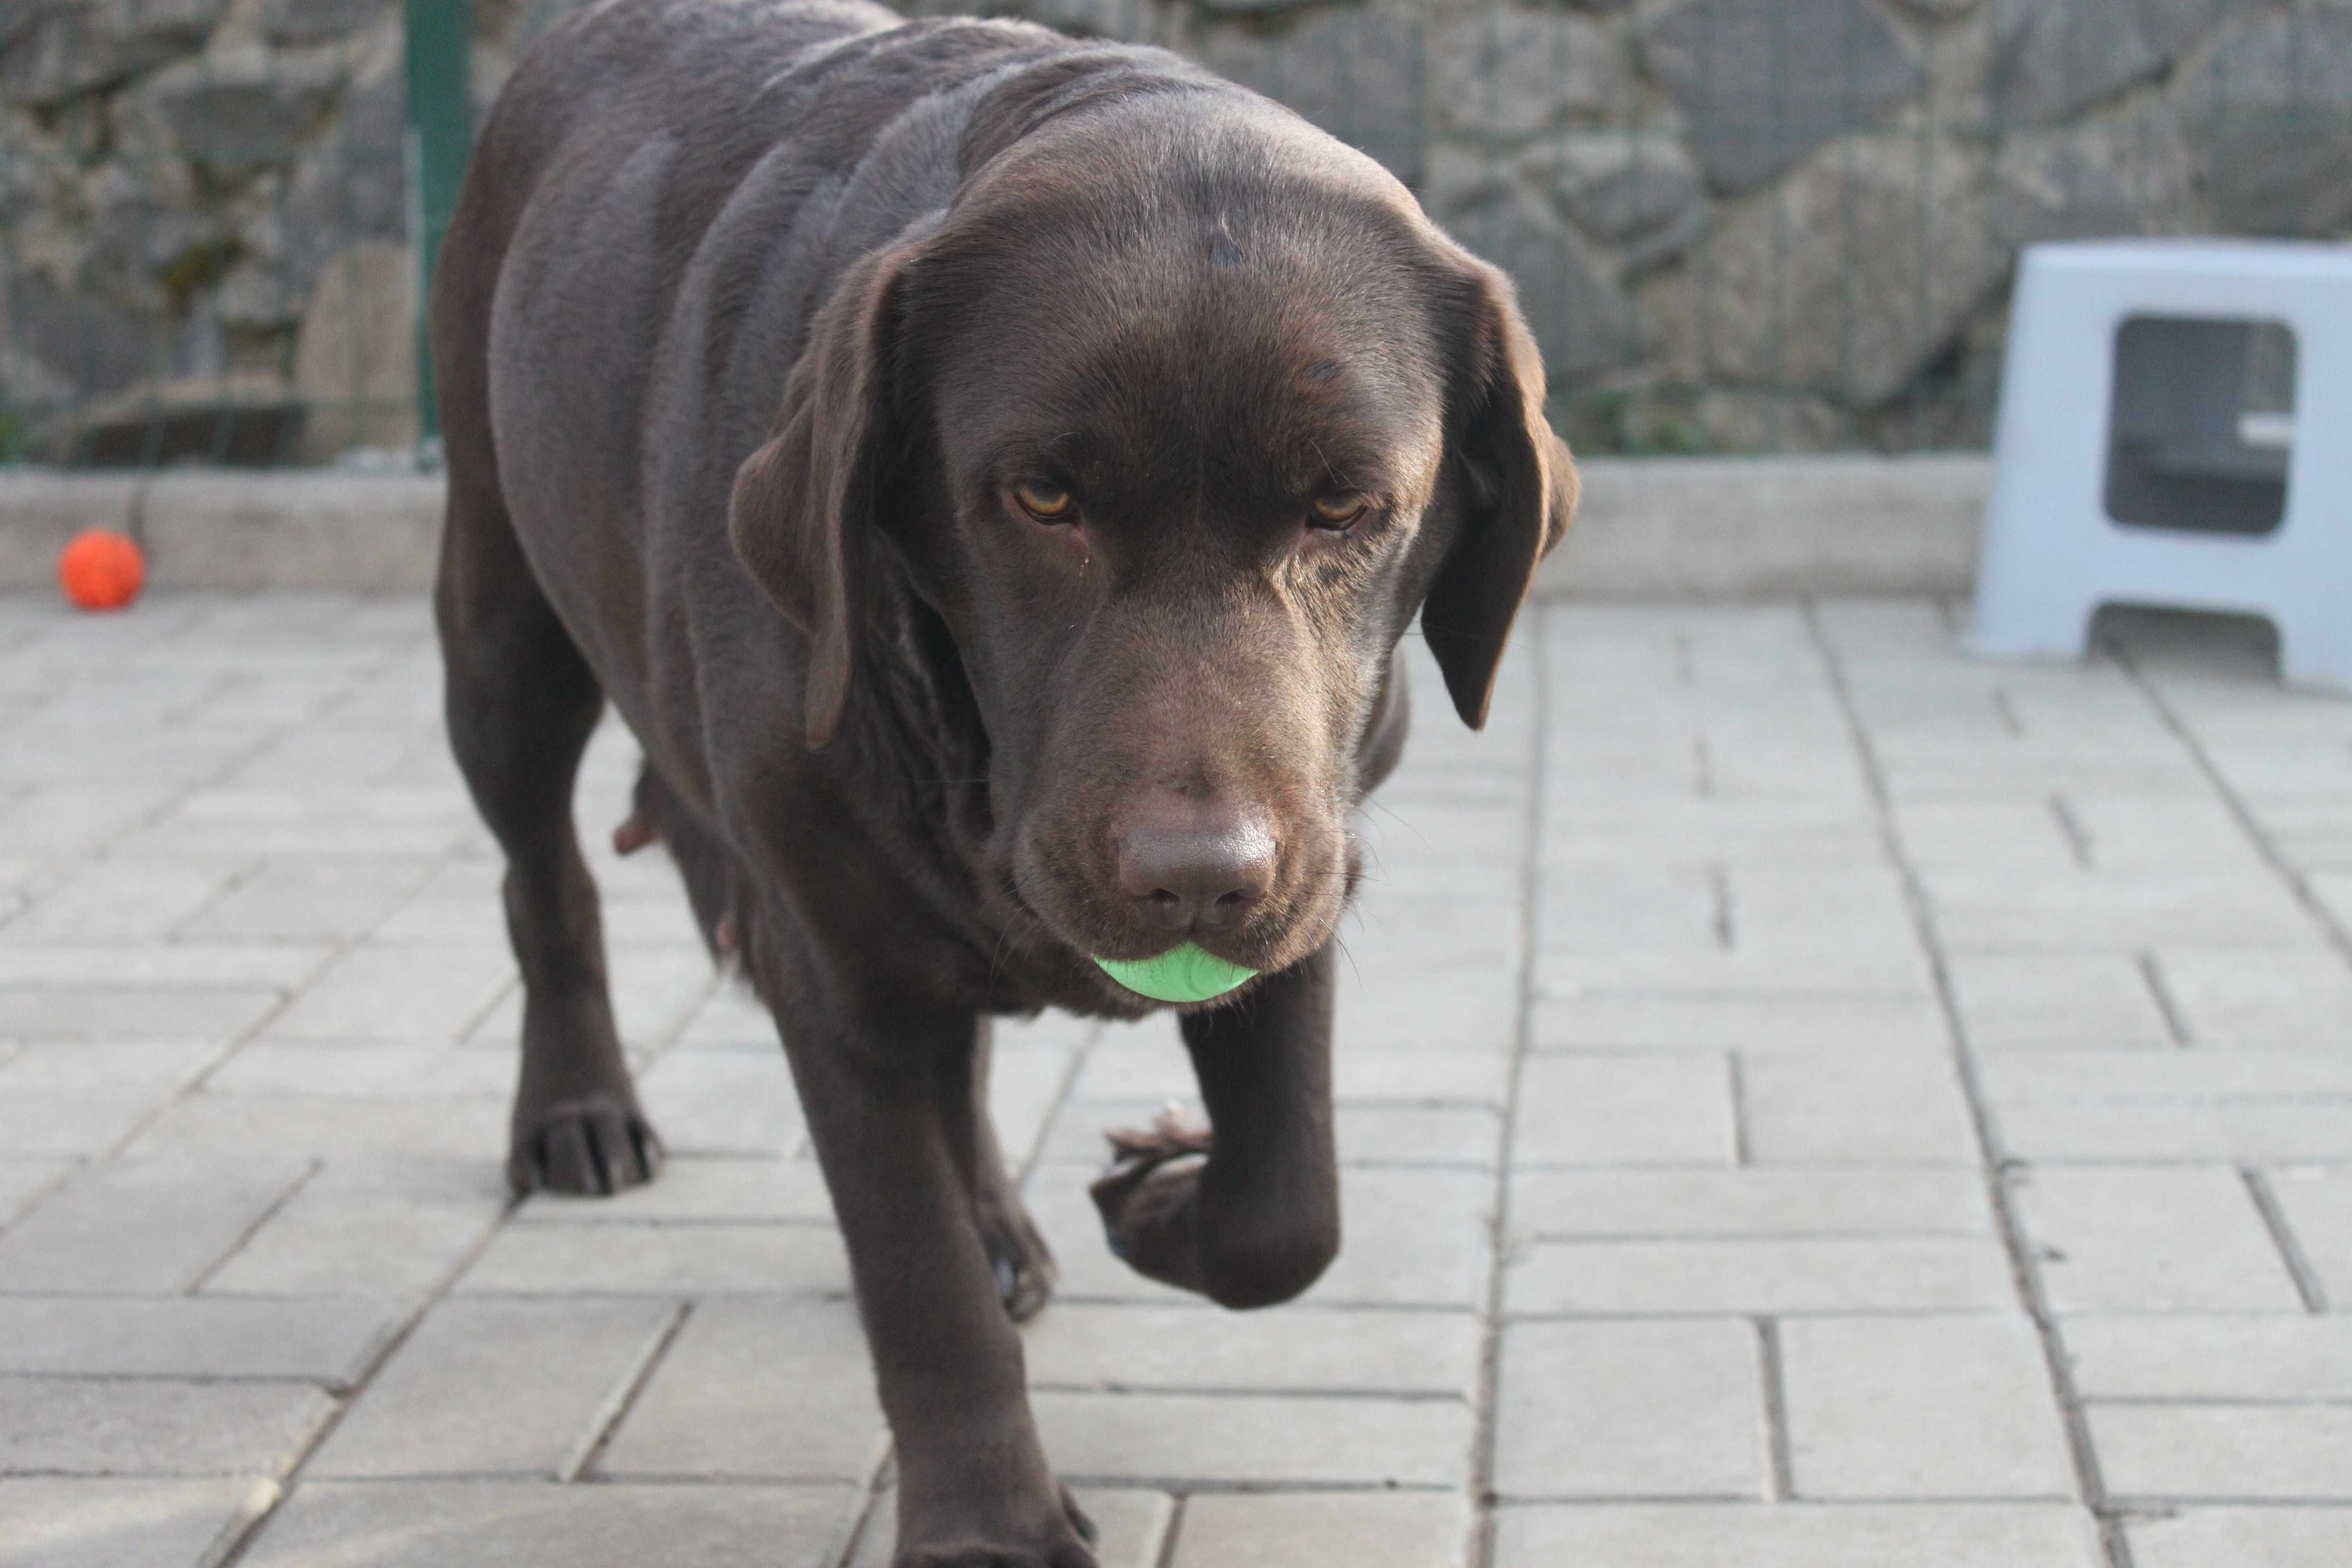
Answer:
(991, 474)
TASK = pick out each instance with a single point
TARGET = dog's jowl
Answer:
(991, 474)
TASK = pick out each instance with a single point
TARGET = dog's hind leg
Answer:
(1017, 1254)
(521, 703)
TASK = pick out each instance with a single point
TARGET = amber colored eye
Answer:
(1046, 503)
(1336, 511)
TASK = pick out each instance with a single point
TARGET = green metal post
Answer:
(440, 133)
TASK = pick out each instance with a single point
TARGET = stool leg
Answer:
(2316, 649)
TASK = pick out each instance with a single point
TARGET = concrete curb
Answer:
(1753, 527)
(1695, 528)
(231, 532)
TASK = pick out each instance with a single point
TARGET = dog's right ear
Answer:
(802, 514)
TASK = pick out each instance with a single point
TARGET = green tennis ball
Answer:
(1183, 974)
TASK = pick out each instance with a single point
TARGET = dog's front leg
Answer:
(1257, 1220)
(974, 1489)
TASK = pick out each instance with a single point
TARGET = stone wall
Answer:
(1737, 224)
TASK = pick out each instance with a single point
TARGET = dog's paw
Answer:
(593, 1147)
(1017, 1254)
(1152, 1178)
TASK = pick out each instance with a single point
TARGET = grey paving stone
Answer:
(1025, 1085)
(1915, 1200)
(1748, 1277)
(2230, 1132)
(2274, 1452)
(414, 992)
(155, 1426)
(2317, 1204)
(205, 1125)
(659, 1259)
(2151, 1078)
(1895, 1109)
(125, 899)
(152, 1226)
(330, 1341)
(1080, 1346)
(760, 1389)
(723, 1103)
(362, 1070)
(308, 900)
(2243, 1538)
(2046, 1001)
(84, 1522)
(1421, 1009)
(1921, 1407)
(2126, 911)
(212, 1013)
(1824, 1025)
(1632, 1410)
(1887, 963)
(1411, 1530)
(1797, 1535)
(1177, 1440)
(2249, 998)
(1625, 1110)
(59, 1099)
(433, 1524)
(692, 1188)
(496, 1388)
(281, 965)
(2150, 1240)
(369, 1228)
(1132, 1527)
(2243, 1357)
(22, 1181)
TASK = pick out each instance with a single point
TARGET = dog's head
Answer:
(1173, 422)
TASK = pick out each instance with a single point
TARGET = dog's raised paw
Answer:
(1152, 1176)
(592, 1147)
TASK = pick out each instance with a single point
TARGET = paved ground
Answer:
(1913, 1099)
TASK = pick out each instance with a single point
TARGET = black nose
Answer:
(1199, 873)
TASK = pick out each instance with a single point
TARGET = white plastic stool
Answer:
(2124, 391)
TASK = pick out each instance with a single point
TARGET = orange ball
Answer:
(102, 571)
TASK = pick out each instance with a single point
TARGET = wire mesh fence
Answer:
(1737, 224)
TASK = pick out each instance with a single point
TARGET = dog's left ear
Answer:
(802, 510)
(1521, 491)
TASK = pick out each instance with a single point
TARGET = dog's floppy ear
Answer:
(802, 509)
(1521, 491)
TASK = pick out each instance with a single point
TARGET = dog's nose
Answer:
(1200, 874)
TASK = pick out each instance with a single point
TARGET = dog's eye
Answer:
(1046, 503)
(1338, 512)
